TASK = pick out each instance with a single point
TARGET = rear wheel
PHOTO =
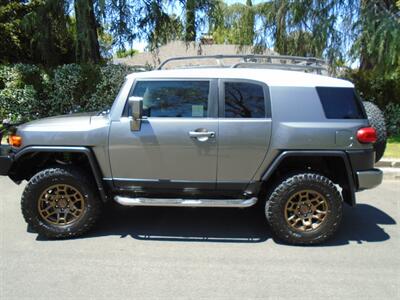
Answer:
(60, 203)
(377, 121)
(304, 209)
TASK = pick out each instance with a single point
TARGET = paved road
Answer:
(173, 253)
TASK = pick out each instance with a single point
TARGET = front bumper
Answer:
(5, 159)
(369, 179)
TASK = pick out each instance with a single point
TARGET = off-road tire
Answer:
(60, 175)
(289, 186)
(377, 120)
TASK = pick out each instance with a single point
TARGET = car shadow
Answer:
(185, 224)
(226, 225)
(361, 225)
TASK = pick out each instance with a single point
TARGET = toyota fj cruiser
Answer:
(300, 144)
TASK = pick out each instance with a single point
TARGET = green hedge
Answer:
(392, 116)
(28, 92)
(383, 90)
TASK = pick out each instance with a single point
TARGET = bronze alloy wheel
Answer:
(61, 204)
(306, 210)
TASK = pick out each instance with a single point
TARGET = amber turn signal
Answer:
(15, 140)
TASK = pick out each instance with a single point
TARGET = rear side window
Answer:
(185, 99)
(244, 100)
(340, 103)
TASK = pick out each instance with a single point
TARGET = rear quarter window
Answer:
(340, 103)
(244, 100)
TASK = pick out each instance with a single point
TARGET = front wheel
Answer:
(60, 203)
(304, 209)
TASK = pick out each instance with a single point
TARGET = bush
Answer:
(71, 88)
(375, 87)
(392, 116)
(22, 89)
(112, 77)
(28, 92)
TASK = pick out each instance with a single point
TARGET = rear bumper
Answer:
(362, 163)
(5, 159)
(369, 179)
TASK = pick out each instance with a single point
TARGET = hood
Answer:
(75, 130)
(73, 120)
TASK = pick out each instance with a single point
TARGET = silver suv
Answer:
(297, 143)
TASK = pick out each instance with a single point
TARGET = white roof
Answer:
(269, 76)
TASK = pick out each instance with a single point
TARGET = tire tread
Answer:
(49, 174)
(377, 121)
(273, 204)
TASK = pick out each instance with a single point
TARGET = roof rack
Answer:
(285, 62)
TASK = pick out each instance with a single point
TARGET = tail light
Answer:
(366, 135)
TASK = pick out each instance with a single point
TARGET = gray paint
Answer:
(242, 146)
(241, 150)
(369, 179)
(163, 149)
(87, 130)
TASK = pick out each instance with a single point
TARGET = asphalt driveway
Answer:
(173, 253)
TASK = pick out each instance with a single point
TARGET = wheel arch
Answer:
(42, 154)
(333, 164)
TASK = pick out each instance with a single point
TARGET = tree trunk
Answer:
(87, 46)
(190, 28)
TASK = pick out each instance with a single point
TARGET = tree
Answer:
(14, 42)
(377, 48)
(233, 24)
(378, 41)
(303, 27)
(281, 12)
(248, 23)
(51, 40)
(190, 25)
(157, 26)
(121, 19)
(87, 44)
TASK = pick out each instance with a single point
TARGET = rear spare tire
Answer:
(377, 121)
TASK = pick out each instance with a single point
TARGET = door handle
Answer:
(200, 134)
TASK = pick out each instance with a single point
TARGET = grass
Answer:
(393, 147)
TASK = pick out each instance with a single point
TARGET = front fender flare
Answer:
(71, 149)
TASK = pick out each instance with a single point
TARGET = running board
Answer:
(185, 202)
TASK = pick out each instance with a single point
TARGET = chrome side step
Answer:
(185, 202)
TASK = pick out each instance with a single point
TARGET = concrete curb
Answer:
(391, 173)
(388, 163)
(390, 168)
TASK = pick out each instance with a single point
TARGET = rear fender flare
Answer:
(349, 196)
